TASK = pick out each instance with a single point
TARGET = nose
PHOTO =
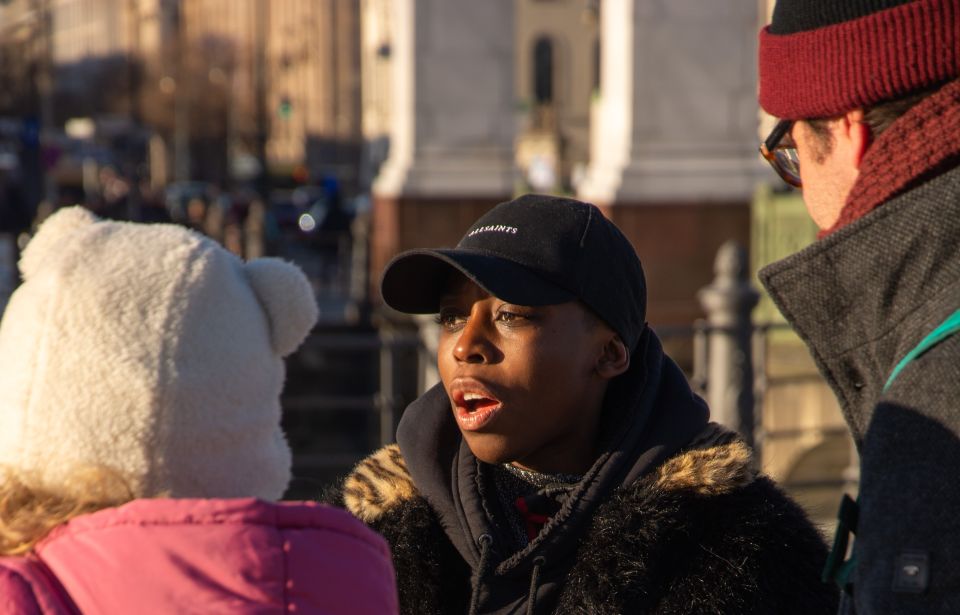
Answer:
(474, 344)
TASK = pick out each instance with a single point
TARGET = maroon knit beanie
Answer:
(822, 58)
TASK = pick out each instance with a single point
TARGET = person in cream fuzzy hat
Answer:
(150, 350)
(140, 373)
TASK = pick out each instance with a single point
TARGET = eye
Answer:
(450, 319)
(513, 316)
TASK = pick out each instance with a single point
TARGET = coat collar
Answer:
(381, 482)
(916, 147)
(862, 297)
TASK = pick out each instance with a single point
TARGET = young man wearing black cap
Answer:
(563, 464)
(869, 101)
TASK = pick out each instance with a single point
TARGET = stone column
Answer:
(677, 115)
(452, 122)
(674, 139)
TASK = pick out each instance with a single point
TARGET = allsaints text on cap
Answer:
(493, 228)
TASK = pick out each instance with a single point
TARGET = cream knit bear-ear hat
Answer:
(150, 350)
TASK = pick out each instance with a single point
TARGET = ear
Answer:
(854, 138)
(614, 358)
(53, 235)
(288, 300)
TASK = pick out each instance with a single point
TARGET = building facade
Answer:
(557, 78)
(219, 84)
(645, 108)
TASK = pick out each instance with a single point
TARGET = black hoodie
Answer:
(630, 534)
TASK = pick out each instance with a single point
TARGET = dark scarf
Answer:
(916, 148)
(527, 499)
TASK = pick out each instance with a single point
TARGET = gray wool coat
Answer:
(862, 299)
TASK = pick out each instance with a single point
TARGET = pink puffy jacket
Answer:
(242, 556)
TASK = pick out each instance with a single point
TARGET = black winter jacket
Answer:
(672, 517)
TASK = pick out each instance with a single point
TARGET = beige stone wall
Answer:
(312, 74)
(18, 47)
(806, 444)
(563, 129)
(314, 68)
(85, 29)
(376, 51)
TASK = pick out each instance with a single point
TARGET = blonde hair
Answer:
(29, 510)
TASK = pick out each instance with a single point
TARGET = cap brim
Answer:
(415, 281)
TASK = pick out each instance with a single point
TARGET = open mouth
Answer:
(475, 409)
(475, 402)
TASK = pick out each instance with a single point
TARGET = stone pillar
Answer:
(452, 122)
(673, 135)
(676, 119)
(728, 302)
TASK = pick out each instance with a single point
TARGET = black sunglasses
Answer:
(782, 156)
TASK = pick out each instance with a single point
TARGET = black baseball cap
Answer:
(533, 250)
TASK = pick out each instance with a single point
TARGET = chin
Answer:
(490, 448)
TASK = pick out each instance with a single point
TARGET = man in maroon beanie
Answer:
(868, 97)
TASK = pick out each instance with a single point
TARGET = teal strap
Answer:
(837, 569)
(947, 328)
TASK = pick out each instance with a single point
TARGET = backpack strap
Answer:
(838, 569)
(947, 328)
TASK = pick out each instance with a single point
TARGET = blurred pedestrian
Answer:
(563, 464)
(141, 454)
(255, 230)
(152, 208)
(14, 212)
(215, 220)
(868, 98)
(336, 219)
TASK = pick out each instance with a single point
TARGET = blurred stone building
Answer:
(222, 88)
(646, 108)
(440, 109)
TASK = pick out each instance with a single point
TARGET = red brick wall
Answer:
(409, 222)
(677, 244)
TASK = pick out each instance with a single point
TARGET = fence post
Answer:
(359, 284)
(8, 268)
(428, 332)
(388, 394)
(728, 302)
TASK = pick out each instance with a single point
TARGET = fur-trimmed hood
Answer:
(703, 533)
(381, 483)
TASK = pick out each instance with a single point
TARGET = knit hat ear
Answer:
(287, 298)
(48, 242)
